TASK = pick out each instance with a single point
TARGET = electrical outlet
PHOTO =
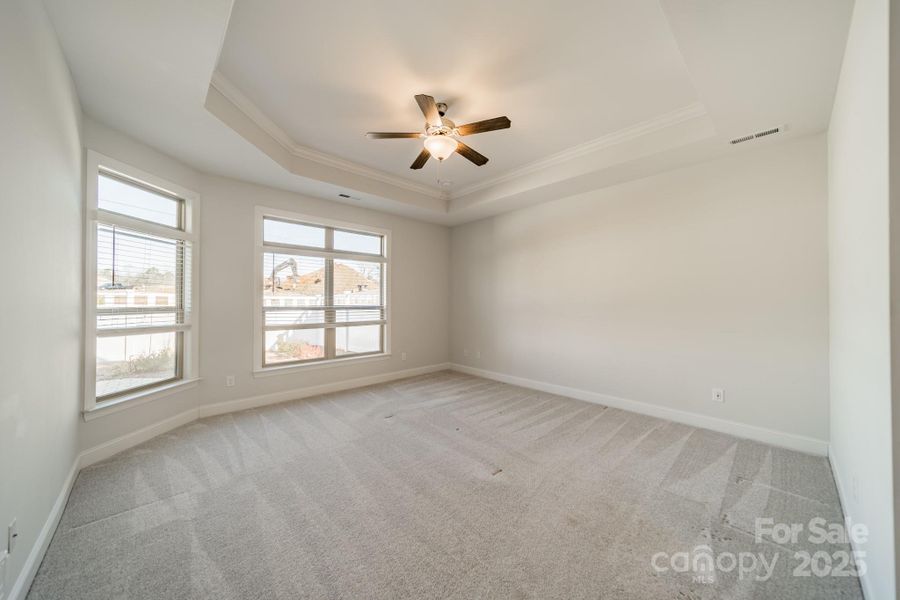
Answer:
(465, 352)
(403, 356)
(12, 536)
(718, 395)
(229, 381)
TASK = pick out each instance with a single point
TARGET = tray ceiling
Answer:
(281, 92)
(565, 74)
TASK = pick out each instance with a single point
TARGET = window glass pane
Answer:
(133, 361)
(356, 315)
(117, 196)
(290, 316)
(137, 278)
(357, 283)
(110, 317)
(351, 241)
(357, 340)
(298, 234)
(293, 345)
(293, 280)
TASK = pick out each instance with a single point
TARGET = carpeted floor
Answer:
(440, 486)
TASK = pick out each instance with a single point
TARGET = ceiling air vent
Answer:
(758, 134)
(767, 132)
(741, 140)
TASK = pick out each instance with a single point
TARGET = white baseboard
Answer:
(760, 434)
(219, 408)
(112, 447)
(864, 581)
(139, 436)
(23, 582)
(84, 459)
(107, 449)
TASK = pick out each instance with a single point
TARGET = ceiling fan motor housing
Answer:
(448, 127)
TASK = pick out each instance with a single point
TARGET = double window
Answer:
(140, 267)
(321, 290)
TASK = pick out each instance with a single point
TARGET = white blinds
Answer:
(140, 280)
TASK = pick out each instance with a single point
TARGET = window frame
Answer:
(260, 369)
(187, 369)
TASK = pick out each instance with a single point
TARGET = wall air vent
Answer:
(753, 136)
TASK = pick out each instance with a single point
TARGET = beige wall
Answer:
(419, 285)
(858, 213)
(658, 290)
(655, 291)
(111, 143)
(418, 277)
(40, 307)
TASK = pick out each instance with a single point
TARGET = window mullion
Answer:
(330, 313)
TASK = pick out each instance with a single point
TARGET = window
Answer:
(140, 275)
(321, 290)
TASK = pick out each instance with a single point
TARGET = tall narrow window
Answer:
(322, 293)
(140, 266)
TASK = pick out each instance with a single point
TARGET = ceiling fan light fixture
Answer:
(440, 146)
(440, 132)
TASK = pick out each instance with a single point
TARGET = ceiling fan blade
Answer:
(421, 159)
(429, 109)
(386, 135)
(475, 157)
(486, 125)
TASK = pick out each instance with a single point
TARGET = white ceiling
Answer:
(281, 92)
(564, 73)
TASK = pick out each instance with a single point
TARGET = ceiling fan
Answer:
(440, 133)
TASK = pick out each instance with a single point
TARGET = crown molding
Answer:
(664, 121)
(234, 95)
(237, 98)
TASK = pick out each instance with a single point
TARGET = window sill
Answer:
(130, 400)
(320, 364)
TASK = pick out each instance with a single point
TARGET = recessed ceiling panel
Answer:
(565, 73)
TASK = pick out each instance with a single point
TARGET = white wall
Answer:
(419, 285)
(40, 307)
(894, 166)
(419, 279)
(660, 289)
(109, 142)
(858, 215)
(655, 290)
